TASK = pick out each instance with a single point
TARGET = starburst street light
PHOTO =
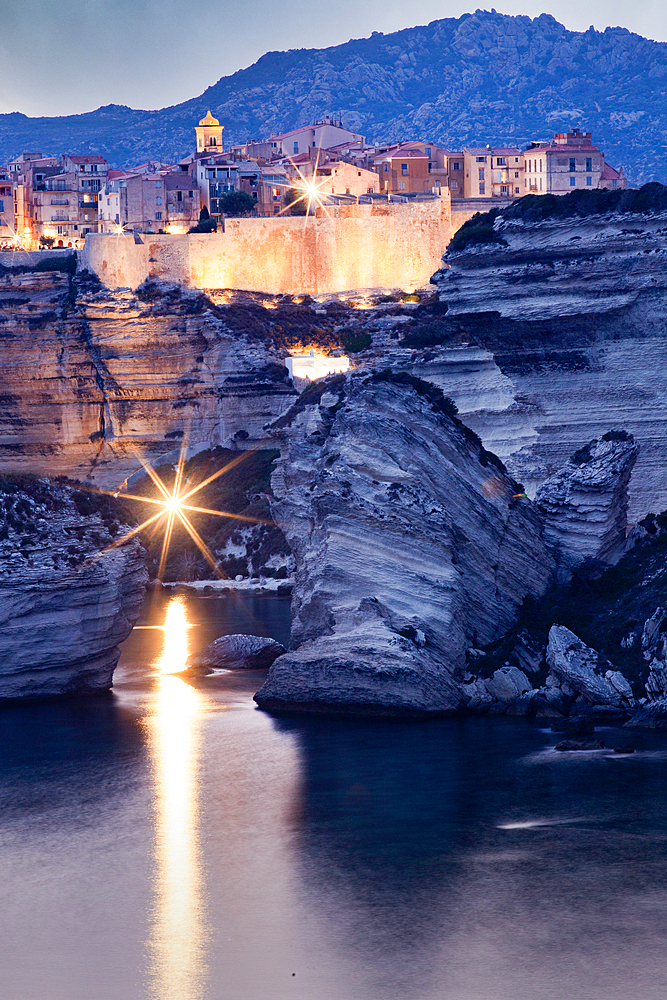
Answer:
(174, 508)
(311, 188)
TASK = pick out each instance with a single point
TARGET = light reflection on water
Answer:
(178, 938)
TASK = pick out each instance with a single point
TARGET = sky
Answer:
(60, 57)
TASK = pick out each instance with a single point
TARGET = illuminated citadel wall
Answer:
(385, 245)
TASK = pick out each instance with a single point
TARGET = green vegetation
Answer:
(237, 203)
(64, 262)
(477, 231)
(645, 200)
(355, 341)
(206, 224)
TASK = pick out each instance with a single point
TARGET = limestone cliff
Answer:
(91, 379)
(409, 546)
(65, 603)
(573, 314)
(584, 506)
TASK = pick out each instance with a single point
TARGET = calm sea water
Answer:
(172, 842)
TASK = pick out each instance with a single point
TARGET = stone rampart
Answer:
(380, 245)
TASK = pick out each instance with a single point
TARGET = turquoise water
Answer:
(173, 842)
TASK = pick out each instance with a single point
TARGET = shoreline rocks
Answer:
(235, 652)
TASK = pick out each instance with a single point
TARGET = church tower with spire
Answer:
(209, 135)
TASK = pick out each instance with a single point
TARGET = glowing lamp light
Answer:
(176, 506)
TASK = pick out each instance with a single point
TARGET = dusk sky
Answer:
(70, 56)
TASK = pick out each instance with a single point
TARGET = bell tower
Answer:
(209, 135)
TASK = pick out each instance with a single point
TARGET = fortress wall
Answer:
(385, 245)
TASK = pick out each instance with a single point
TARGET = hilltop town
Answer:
(58, 201)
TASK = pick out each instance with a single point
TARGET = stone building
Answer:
(7, 220)
(570, 161)
(209, 136)
(492, 173)
(341, 178)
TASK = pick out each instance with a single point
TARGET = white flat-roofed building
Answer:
(313, 366)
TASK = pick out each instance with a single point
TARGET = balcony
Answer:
(59, 201)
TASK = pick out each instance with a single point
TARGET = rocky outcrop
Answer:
(580, 679)
(574, 313)
(66, 600)
(653, 712)
(409, 548)
(236, 652)
(91, 379)
(584, 506)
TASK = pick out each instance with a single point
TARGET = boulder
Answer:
(580, 671)
(507, 684)
(575, 726)
(582, 744)
(236, 652)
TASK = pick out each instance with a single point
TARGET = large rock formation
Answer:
(409, 545)
(585, 504)
(90, 379)
(65, 604)
(574, 313)
(580, 679)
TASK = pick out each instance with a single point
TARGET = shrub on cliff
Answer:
(476, 231)
(355, 341)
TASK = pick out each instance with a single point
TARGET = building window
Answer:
(189, 194)
(589, 182)
(94, 168)
(481, 173)
(2, 205)
(482, 189)
(504, 190)
(573, 165)
(158, 200)
(614, 184)
(179, 196)
(401, 185)
(516, 190)
(480, 159)
(454, 184)
(456, 166)
(158, 215)
(501, 161)
(572, 181)
(386, 167)
(404, 168)
(589, 164)
(516, 159)
(158, 184)
(296, 147)
(516, 174)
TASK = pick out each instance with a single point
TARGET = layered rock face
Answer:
(90, 379)
(409, 548)
(574, 312)
(585, 505)
(65, 603)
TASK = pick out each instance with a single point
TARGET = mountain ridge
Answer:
(481, 78)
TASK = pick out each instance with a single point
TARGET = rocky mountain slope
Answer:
(409, 547)
(66, 600)
(482, 77)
